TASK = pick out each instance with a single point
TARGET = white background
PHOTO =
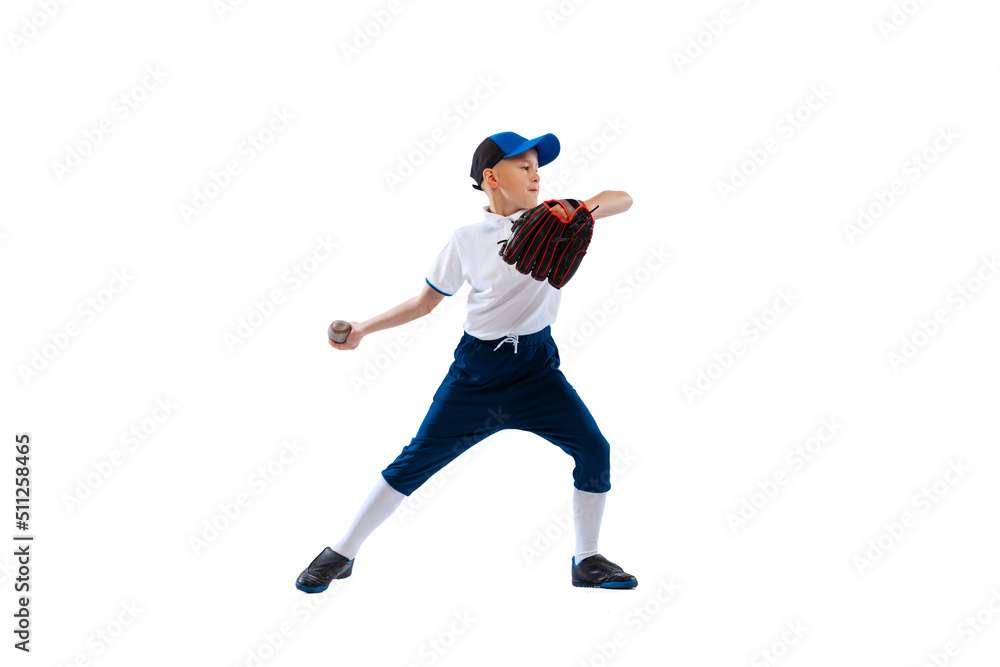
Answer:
(487, 539)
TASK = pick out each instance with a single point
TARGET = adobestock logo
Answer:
(88, 309)
(913, 168)
(425, 146)
(928, 329)
(231, 510)
(899, 16)
(76, 153)
(247, 151)
(624, 289)
(294, 277)
(33, 24)
(137, 435)
(787, 126)
(711, 31)
(894, 530)
(767, 489)
(365, 34)
(752, 330)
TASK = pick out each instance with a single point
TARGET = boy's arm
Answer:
(405, 312)
(611, 202)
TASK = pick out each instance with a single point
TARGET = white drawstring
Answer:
(511, 338)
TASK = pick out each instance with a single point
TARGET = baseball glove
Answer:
(546, 246)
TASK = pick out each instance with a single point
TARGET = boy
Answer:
(492, 386)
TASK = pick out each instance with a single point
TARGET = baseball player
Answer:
(505, 374)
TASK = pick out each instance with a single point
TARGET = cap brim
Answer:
(546, 145)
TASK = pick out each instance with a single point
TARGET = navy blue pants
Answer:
(488, 389)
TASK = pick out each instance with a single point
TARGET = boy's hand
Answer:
(353, 338)
(560, 212)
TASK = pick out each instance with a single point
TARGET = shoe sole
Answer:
(320, 589)
(307, 589)
(608, 584)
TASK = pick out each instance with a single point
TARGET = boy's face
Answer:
(517, 179)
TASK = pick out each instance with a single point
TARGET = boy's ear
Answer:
(489, 178)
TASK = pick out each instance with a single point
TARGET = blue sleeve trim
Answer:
(435, 288)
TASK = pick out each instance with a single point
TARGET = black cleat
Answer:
(324, 568)
(598, 572)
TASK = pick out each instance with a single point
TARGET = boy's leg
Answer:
(447, 431)
(588, 510)
(569, 425)
(556, 412)
(551, 408)
(379, 506)
(464, 411)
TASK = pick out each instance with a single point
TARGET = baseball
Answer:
(339, 331)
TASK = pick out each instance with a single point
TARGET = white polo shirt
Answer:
(502, 300)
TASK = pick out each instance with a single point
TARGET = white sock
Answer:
(379, 506)
(588, 510)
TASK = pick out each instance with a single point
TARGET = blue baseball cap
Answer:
(505, 144)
